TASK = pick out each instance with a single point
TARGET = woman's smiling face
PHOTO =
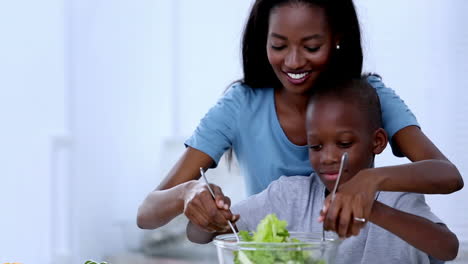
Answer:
(299, 45)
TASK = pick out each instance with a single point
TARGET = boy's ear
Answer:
(380, 141)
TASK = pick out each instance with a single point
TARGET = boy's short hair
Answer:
(355, 91)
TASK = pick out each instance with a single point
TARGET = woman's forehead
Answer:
(299, 18)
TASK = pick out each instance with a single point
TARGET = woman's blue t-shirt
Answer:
(245, 119)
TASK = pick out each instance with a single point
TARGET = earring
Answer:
(337, 46)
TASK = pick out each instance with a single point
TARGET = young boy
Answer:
(402, 228)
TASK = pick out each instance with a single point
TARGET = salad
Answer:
(272, 230)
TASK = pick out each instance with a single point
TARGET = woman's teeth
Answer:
(297, 76)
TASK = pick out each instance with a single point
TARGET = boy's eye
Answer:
(315, 147)
(312, 49)
(277, 47)
(345, 144)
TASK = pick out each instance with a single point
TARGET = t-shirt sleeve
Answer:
(253, 209)
(395, 113)
(218, 128)
(415, 203)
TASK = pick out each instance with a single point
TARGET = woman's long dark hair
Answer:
(342, 18)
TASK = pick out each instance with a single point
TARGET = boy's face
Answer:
(335, 127)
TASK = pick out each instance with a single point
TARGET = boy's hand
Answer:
(354, 199)
(210, 215)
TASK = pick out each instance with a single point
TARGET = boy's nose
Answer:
(330, 156)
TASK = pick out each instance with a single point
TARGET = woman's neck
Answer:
(294, 102)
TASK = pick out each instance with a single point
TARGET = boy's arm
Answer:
(198, 235)
(434, 239)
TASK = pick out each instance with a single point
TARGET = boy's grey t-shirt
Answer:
(299, 199)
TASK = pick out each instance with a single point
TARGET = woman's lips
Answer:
(297, 78)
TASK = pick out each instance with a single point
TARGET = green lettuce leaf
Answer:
(272, 230)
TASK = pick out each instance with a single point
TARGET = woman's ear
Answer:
(337, 41)
(380, 141)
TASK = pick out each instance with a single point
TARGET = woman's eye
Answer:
(315, 147)
(314, 49)
(277, 47)
(345, 144)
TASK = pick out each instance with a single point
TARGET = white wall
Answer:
(138, 86)
(32, 113)
(120, 115)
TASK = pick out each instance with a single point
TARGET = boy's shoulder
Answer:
(295, 183)
(292, 198)
(401, 200)
(412, 203)
(397, 199)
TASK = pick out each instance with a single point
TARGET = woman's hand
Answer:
(209, 214)
(353, 199)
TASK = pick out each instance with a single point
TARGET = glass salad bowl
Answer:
(307, 248)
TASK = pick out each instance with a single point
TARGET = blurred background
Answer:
(97, 97)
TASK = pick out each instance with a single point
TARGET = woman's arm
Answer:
(180, 193)
(416, 146)
(434, 239)
(425, 176)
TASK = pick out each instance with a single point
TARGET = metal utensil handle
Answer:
(202, 172)
(344, 159)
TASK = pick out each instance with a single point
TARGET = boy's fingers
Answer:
(326, 204)
(235, 217)
(222, 202)
(200, 220)
(212, 212)
(331, 217)
(320, 219)
(219, 196)
(324, 210)
(358, 211)
(344, 221)
(227, 203)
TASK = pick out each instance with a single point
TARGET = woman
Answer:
(290, 47)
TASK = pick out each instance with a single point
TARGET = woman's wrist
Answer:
(370, 177)
(376, 177)
(184, 191)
